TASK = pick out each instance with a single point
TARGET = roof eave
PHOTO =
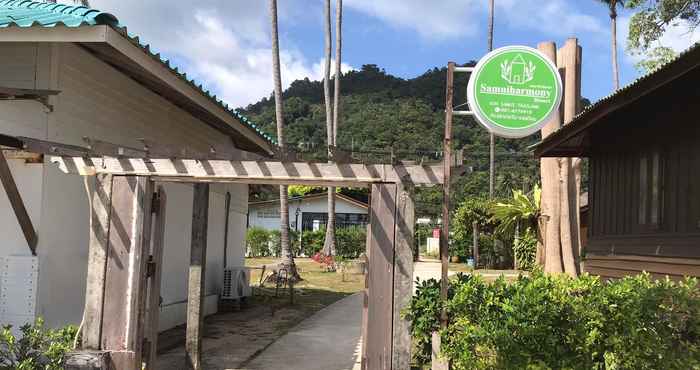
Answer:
(107, 35)
(550, 146)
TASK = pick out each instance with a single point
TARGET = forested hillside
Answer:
(382, 114)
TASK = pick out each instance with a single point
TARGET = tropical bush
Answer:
(558, 322)
(312, 241)
(351, 241)
(37, 348)
(257, 240)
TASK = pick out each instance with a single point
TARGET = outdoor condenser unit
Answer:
(236, 283)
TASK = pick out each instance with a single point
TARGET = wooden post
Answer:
(447, 166)
(195, 297)
(124, 302)
(87, 360)
(365, 296)
(377, 345)
(8, 182)
(437, 363)
(97, 262)
(153, 306)
(403, 278)
(475, 241)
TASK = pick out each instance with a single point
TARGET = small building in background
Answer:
(308, 212)
(643, 150)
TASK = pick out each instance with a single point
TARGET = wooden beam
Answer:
(152, 318)
(195, 296)
(87, 360)
(266, 172)
(126, 266)
(403, 278)
(15, 198)
(97, 261)
(27, 157)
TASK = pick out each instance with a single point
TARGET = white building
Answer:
(309, 212)
(94, 80)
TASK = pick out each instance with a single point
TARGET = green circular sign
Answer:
(513, 91)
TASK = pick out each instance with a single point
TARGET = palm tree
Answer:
(492, 137)
(329, 244)
(287, 258)
(612, 6)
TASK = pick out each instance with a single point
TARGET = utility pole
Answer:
(492, 137)
(447, 166)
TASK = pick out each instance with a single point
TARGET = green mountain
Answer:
(383, 115)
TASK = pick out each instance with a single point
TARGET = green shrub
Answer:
(38, 348)
(257, 240)
(557, 322)
(524, 249)
(312, 241)
(274, 242)
(351, 241)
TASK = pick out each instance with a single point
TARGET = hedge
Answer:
(557, 322)
(350, 242)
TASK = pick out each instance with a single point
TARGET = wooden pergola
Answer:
(126, 243)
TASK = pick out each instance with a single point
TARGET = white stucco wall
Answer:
(99, 102)
(314, 205)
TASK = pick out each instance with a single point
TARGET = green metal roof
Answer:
(28, 13)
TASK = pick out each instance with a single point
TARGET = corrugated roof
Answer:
(589, 113)
(28, 13)
(634, 83)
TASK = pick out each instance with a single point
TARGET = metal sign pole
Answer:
(447, 165)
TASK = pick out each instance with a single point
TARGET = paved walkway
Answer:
(328, 340)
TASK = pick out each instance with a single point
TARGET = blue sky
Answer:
(225, 43)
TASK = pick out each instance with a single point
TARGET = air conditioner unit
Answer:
(236, 283)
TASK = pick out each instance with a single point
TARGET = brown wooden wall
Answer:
(613, 267)
(666, 123)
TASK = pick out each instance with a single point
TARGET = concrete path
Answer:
(328, 340)
(428, 269)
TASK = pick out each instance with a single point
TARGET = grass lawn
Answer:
(313, 275)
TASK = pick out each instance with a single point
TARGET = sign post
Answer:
(513, 92)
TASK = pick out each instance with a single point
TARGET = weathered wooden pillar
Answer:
(97, 262)
(377, 348)
(195, 297)
(403, 277)
(116, 280)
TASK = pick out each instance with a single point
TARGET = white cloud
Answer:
(431, 19)
(223, 44)
(438, 20)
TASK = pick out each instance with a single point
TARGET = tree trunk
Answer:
(491, 16)
(613, 25)
(570, 63)
(492, 137)
(287, 258)
(549, 169)
(329, 242)
(338, 59)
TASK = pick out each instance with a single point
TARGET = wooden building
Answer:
(643, 146)
(68, 73)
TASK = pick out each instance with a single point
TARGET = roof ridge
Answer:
(89, 15)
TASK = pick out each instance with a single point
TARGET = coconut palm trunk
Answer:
(613, 31)
(329, 246)
(492, 137)
(287, 258)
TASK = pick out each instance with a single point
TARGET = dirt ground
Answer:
(232, 339)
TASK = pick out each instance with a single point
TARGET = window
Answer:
(651, 183)
(269, 213)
